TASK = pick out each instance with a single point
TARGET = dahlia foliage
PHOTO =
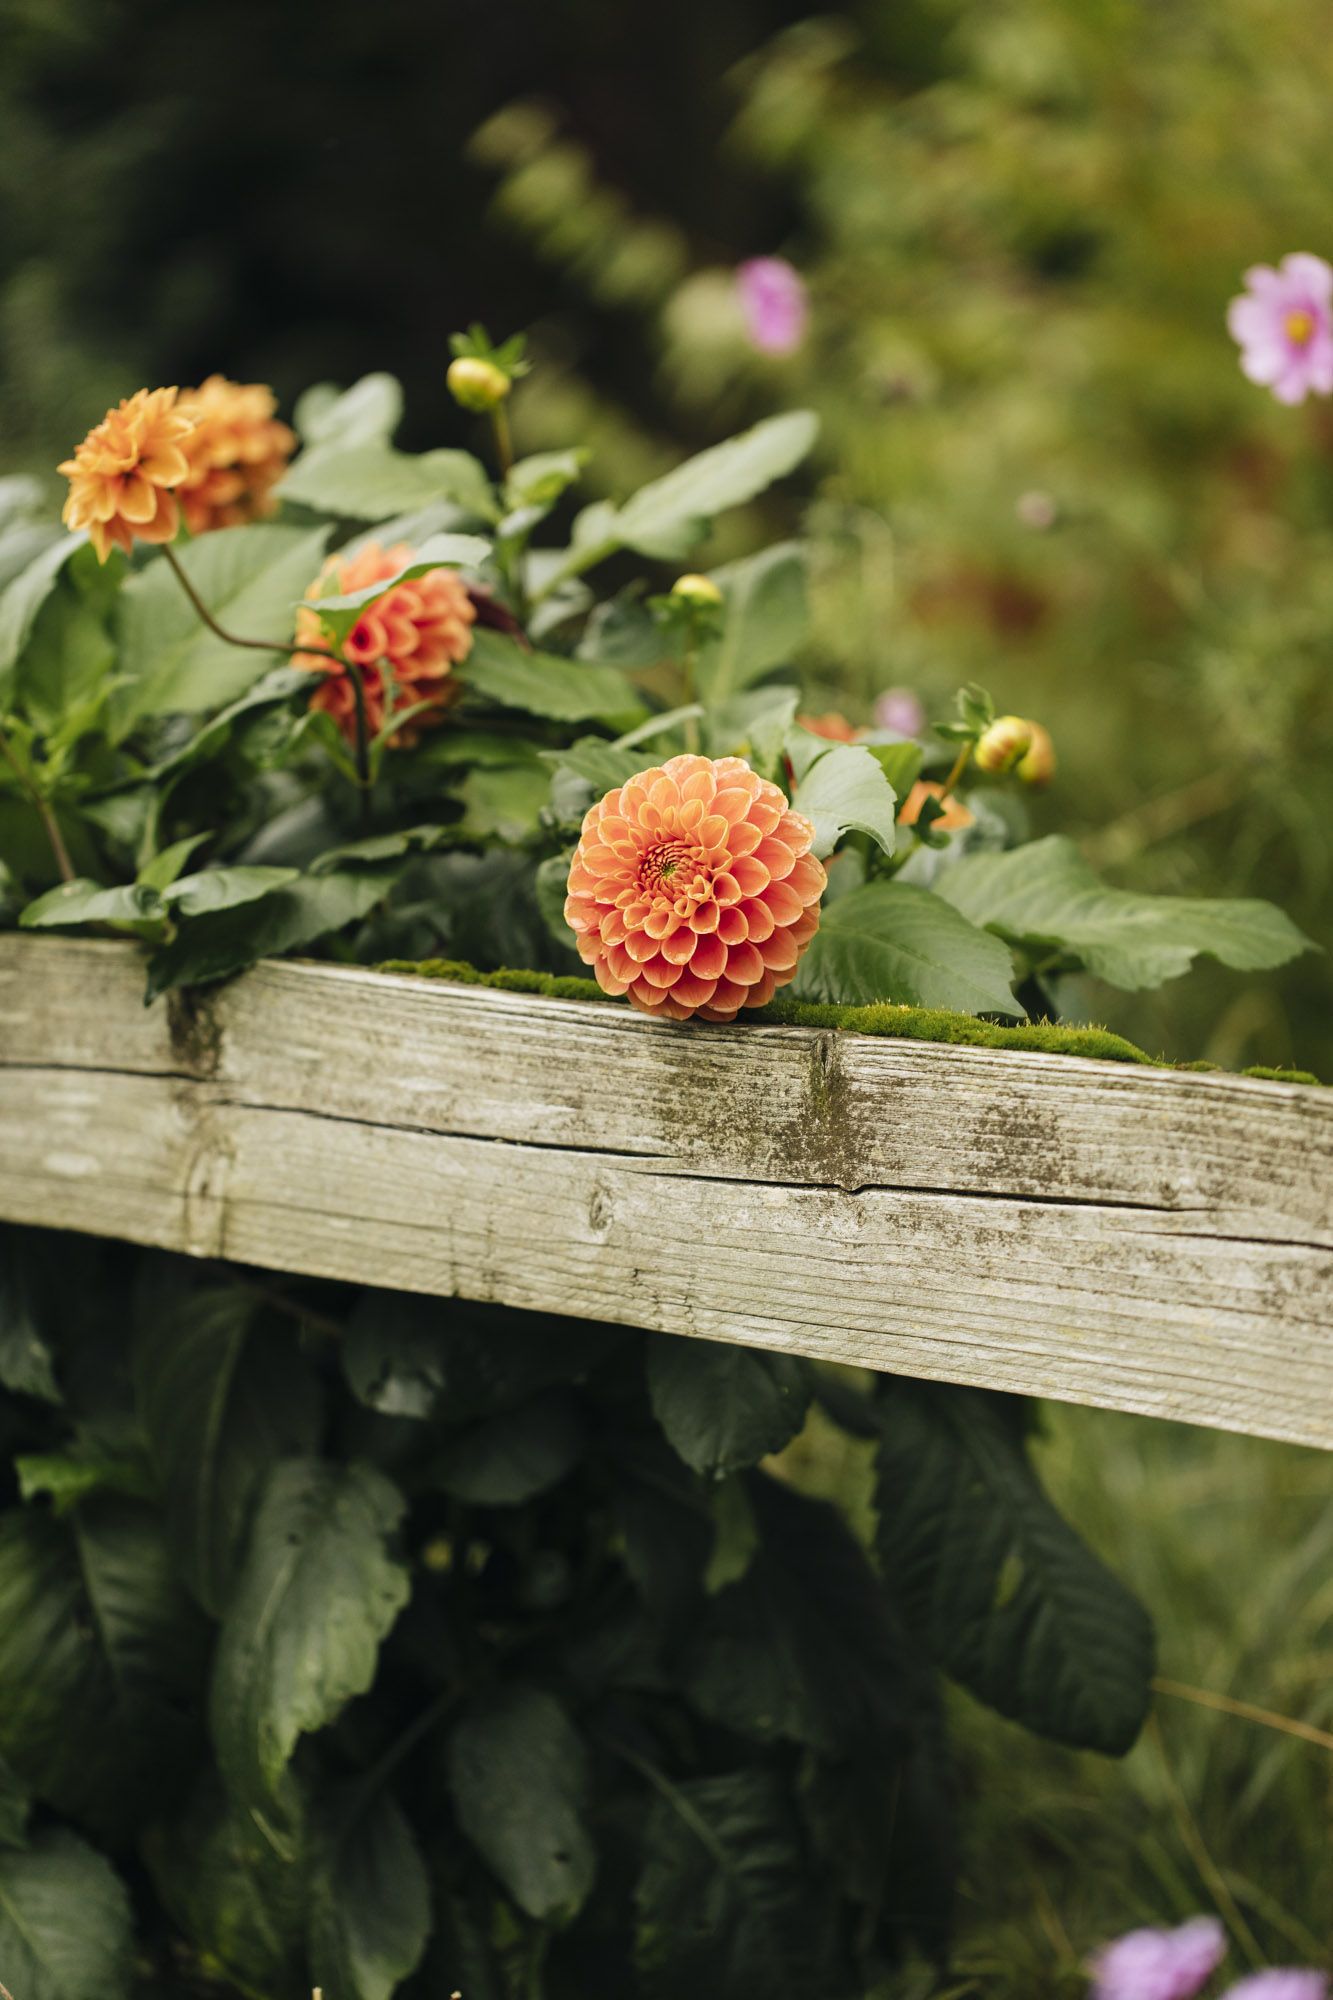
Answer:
(454, 1652)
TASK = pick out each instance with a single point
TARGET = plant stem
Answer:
(1225, 1704)
(288, 646)
(687, 671)
(959, 766)
(291, 647)
(44, 810)
(504, 446)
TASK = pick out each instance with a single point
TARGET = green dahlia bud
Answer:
(696, 590)
(477, 384)
(1037, 764)
(1003, 744)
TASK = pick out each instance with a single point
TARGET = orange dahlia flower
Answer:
(237, 453)
(834, 726)
(407, 641)
(954, 816)
(121, 477)
(693, 889)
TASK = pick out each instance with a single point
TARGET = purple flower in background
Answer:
(1281, 1985)
(1160, 1965)
(775, 304)
(1284, 325)
(900, 710)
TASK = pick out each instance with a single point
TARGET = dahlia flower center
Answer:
(1299, 327)
(674, 869)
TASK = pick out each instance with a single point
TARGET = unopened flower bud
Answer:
(696, 590)
(1000, 747)
(1037, 764)
(477, 384)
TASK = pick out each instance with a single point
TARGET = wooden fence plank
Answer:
(1146, 1240)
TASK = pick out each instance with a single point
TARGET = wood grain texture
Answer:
(1140, 1239)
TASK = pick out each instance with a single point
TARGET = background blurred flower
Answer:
(693, 889)
(1284, 326)
(1281, 1985)
(832, 725)
(121, 476)
(1159, 1965)
(900, 709)
(237, 453)
(411, 639)
(775, 304)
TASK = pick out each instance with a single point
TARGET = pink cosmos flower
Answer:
(775, 304)
(1160, 1965)
(1281, 1985)
(1284, 327)
(900, 709)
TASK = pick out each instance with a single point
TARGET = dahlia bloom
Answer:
(237, 453)
(1284, 1984)
(1284, 327)
(693, 889)
(1159, 1965)
(121, 477)
(774, 303)
(833, 726)
(408, 641)
(954, 816)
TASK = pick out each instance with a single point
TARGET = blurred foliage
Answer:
(1021, 225)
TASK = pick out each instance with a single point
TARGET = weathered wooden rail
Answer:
(1141, 1239)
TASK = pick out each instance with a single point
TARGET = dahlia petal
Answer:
(712, 830)
(808, 879)
(780, 951)
(699, 786)
(659, 923)
(640, 946)
(709, 957)
(744, 964)
(751, 873)
(661, 972)
(759, 920)
(137, 499)
(704, 919)
(743, 838)
(608, 983)
(726, 889)
(733, 804)
(763, 990)
(732, 927)
(692, 991)
(796, 832)
(783, 902)
(681, 946)
(765, 815)
(728, 993)
(776, 857)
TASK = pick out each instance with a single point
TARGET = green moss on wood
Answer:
(917, 1024)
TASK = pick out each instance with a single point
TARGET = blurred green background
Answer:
(1020, 221)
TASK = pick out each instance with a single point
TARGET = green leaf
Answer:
(318, 1592)
(600, 765)
(803, 1646)
(251, 580)
(512, 1457)
(668, 516)
(24, 597)
(1047, 899)
(518, 1771)
(66, 1930)
(15, 1806)
(724, 1898)
(222, 1397)
(84, 902)
(999, 1589)
(339, 611)
(723, 1406)
(100, 1654)
(369, 1899)
(502, 671)
(367, 413)
(221, 731)
(66, 1477)
(214, 946)
(371, 481)
(238, 1898)
(223, 889)
(900, 763)
(753, 726)
(845, 789)
(64, 673)
(894, 941)
(766, 620)
(27, 1362)
(165, 867)
(540, 480)
(458, 1362)
(503, 804)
